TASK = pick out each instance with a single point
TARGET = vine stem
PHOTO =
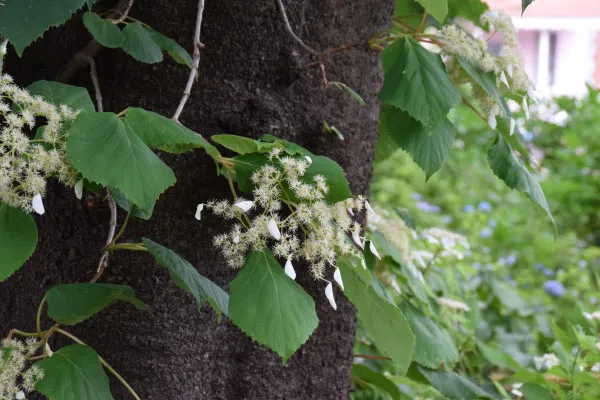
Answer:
(38, 319)
(290, 31)
(372, 357)
(476, 111)
(195, 63)
(103, 361)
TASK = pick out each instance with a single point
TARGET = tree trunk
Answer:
(253, 80)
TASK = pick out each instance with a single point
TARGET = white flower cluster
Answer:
(453, 304)
(312, 230)
(508, 66)
(26, 164)
(15, 378)
(546, 361)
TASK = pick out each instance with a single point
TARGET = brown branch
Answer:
(195, 63)
(476, 111)
(111, 234)
(290, 31)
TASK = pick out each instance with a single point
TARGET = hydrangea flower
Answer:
(468, 208)
(554, 288)
(484, 206)
(486, 233)
(546, 361)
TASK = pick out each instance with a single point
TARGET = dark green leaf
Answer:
(74, 373)
(290, 147)
(436, 8)
(535, 391)
(270, 307)
(416, 82)
(498, 357)
(407, 217)
(164, 134)
(188, 278)
(469, 9)
(243, 145)
(454, 386)
(72, 303)
(126, 205)
(105, 32)
(108, 152)
(389, 328)
(18, 239)
(140, 45)
(366, 374)
(174, 49)
(244, 166)
(513, 172)
(525, 4)
(23, 22)
(77, 98)
(509, 297)
(434, 345)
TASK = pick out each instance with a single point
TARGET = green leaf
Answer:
(106, 151)
(525, 4)
(77, 98)
(410, 11)
(513, 172)
(72, 303)
(126, 205)
(140, 45)
(498, 357)
(454, 386)
(509, 297)
(74, 373)
(188, 278)
(389, 328)
(23, 22)
(434, 346)
(407, 217)
(428, 148)
(270, 307)
(174, 49)
(290, 147)
(105, 32)
(350, 91)
(244, 166)
(18, 239)
(332, 129)
(416, 82)
(243, 145)
(436, 8)
(469, 9)
(535, 391)
(366, 374)
(164, 134)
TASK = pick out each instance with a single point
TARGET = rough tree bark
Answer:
(253, 80)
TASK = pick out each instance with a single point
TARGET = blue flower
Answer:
(486, 233)
(492, 223)
(428, 208)
(416, 196)
(468, 208)
(554, 288)
(548, 273)
(539, 266)
(484, 206)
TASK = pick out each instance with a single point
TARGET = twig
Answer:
(422, 24)
(111, 234)
(95, 82)
(371, 357)
(124, 13)
(290, 31)
(476, 111)
(195, 63)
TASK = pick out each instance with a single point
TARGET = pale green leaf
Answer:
(140, 45)
(18, 239)
(509, 297)
(454, 386)
(350, 91)
(436, 8)
(77, 98)
(74, 373)
(389, 328)
(534, 391)
(270, 307)
(416, 82)
(22, 22)
(72, 303)
(243, 145)
(513, 172)
(174, 49)
(188, 278)
(105, 151)
(105, 32)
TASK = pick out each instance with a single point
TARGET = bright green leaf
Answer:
(436, 8)
(72, 303)
(416, 82)
(174, 49)
(366, 374)
(469, 9)
(18, 239)
(140, 45)
(105, 151)
(74, 373)
(270, 307)
(350, 91)
(243, 145)
(513, 172)
(429, 148)
(77, 98)
(188, 278)
(22, 22)
(498, 357)
(389, 328)
(434, 345)
(290, 147)
(164, 134)
(105, 32)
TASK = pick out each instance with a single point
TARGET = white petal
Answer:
(48, 350)
(525, 107)
(244, 205)
(369, 209)
(509, 69)
(513, 124)
(308, 159)
(349, 209)
(236, 239)
(374, 250)
(517, 393)
(492, 121)
(329, 295)
(356, 239)
(38, 204)
(274, 230)
(363, 263)
(504, 80)
(199, 209)
(532, 94)
(289, 270)
(79, 189)
(20, 395)
(337, 276)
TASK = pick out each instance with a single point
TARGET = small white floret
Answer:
(274, 230)
(504, 80)
(20, 395)
(289, 270)
(513, 124)
(199, 209)
(79, 189)
(244, 205)
(492, 121)
(337, 276)
(236, 238)
(509, 69)
(369, 208)
(38, 204)
(525, 107)
(374, 250)
(329, 295)
(356, 239)
(48, 350)
(308, 159)
(517, 393)
(363, 263)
